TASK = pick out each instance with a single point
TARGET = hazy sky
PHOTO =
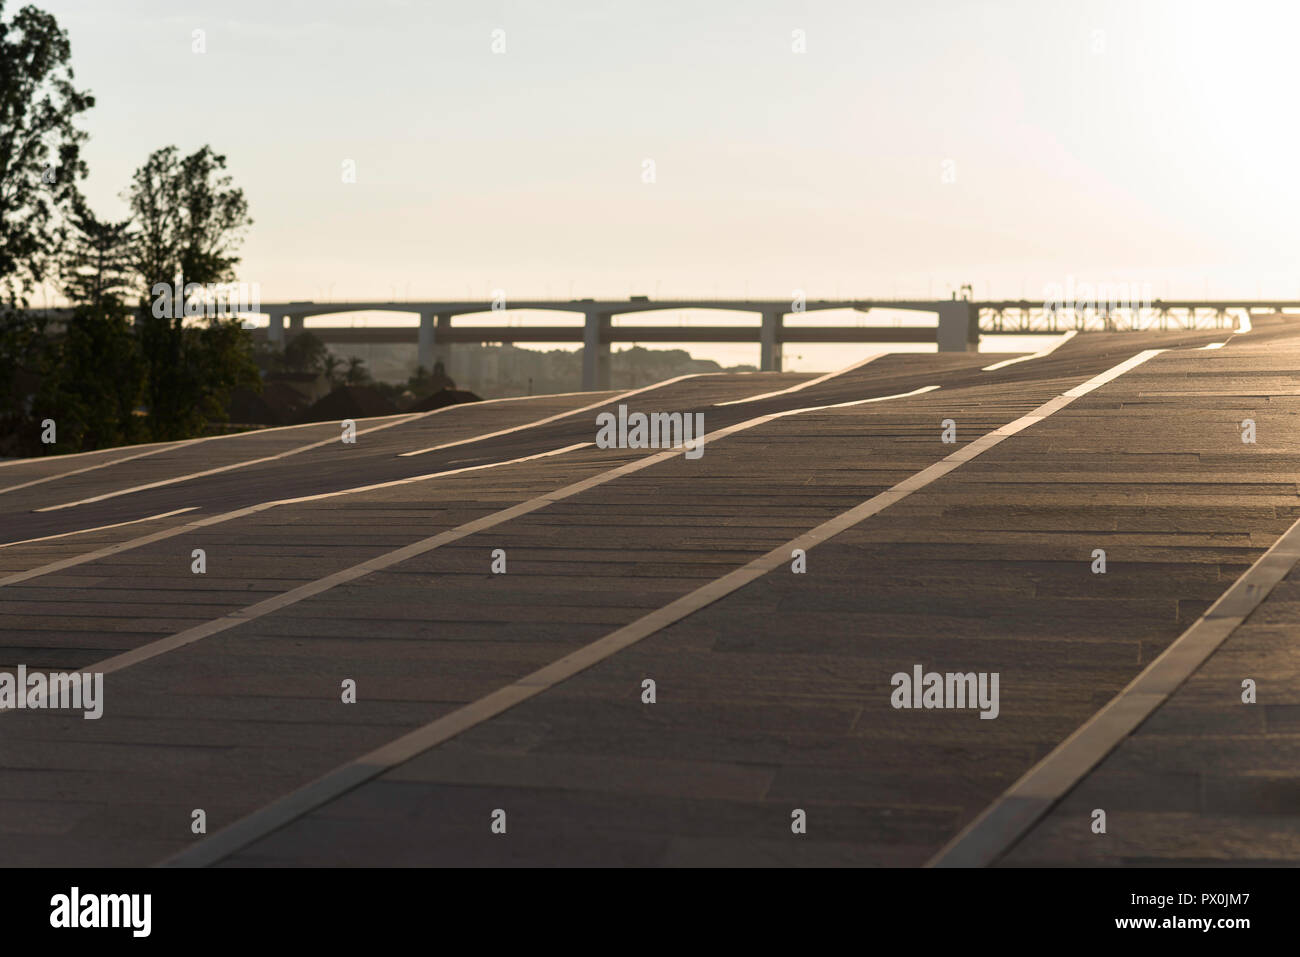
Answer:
(1139, 141)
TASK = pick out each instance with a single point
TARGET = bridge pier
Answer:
(595, 351)
(275, 329)
(434, 345)
(435, 329)
(424, 352)
(296, 325)
(959, 327)
(442, 342)
(769, 359)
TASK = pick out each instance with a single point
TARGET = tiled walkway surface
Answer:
(772, 697)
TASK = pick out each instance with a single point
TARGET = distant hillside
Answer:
(506, 370)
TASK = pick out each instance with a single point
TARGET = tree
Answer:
(330, 366)
(220, 357)
(424, 383)
(189, 221)
(28, 354)
(40, 164)
(189, 216)
(356, 373)
(98, 264)
(40, 159)
(93, 388)
(304, 353)
(99, 376)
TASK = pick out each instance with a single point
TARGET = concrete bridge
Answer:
(960, 322)
(957, 330)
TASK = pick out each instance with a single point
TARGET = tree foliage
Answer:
(40, 156)
(96, 385)
(98, 265)
(190, 218)
(356, 372)
(93, 388)
(91, 373)
(304, 353)
(189, 221)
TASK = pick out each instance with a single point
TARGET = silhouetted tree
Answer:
(330, 366)
(356, 372)
(40, 159)
(93, 388)
(189, 221)
(424, 383)
(304, 353)
(98, 263)
(189, 216)
(220, 357)
(28, 354)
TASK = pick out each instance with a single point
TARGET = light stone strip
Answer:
(799, 386)
(100, 528)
